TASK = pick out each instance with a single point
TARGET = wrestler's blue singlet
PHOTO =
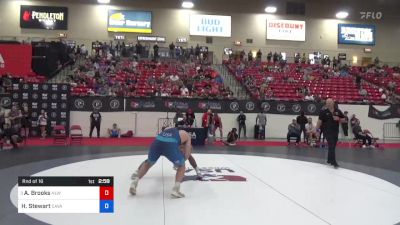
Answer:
(167, 144)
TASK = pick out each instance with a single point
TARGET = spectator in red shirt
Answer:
(217, 124)
(207, 122)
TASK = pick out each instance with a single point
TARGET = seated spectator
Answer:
(310, 131)
(232, 137)
(179, 119)
(174, 78)
(294, 131)
(365, 135)
(363, 92)
(11, 135)
(114, 132)
(309, 97)
(353, 121)
(184, 91)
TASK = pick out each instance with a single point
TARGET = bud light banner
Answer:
(210, 25)
(53, 99)
(15, 59)
(44, 17)
(129, 21)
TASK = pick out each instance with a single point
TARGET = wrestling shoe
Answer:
(177, 194)
(133, 187)
(135, 175)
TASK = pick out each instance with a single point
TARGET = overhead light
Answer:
(187, 4)
(342, 15)
(103, 1)
(270, 9)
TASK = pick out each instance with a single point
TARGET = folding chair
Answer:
(59, 135)
(75, 134)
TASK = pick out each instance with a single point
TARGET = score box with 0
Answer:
(65, 194)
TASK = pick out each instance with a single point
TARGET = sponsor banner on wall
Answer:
(392, 112)
(197, 105)
(15, 59)
(44, 17)
(52, 98)
(102, 104)
(358, 34)
(152, 39)
(210, 25)
(129, 21)
(287, 30)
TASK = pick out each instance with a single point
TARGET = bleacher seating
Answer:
(342, 89)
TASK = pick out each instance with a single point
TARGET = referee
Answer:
(328, 122)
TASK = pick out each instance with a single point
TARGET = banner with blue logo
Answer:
(210, 25)
(129, 21)
(358, 34)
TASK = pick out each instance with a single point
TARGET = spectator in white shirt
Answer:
(174, 78)
(184, 91)
(310, 130)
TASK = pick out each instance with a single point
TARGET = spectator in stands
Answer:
(310, 131)
(184, 91)
(334, 62)
(269, 57)
(259, 55)
(232, 138)
(217, 125)
(376, 61)
(155, 49)
(353, 121)
(303, 59)
(294, 130)
(364, 94)
(190, 117)
(42, 121)
(358, 80)
(275, 57)
(362, 135)
(309, 97)
(302, 121)
(197, 52)
(174, 78)
(114, 132)
(95, 122)
(242, 123)
(172, 50)
(392, 86)
(250, 56)
(345, 124)
(261, 122)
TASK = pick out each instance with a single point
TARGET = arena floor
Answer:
(257, 185)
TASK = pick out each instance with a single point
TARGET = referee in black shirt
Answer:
(328, 121)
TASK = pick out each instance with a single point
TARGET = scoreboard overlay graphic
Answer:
(65, 194)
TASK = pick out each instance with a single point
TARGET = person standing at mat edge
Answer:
(95, 121)
(168, 144)
(328, 121)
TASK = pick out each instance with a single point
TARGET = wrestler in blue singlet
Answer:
(167, 144)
